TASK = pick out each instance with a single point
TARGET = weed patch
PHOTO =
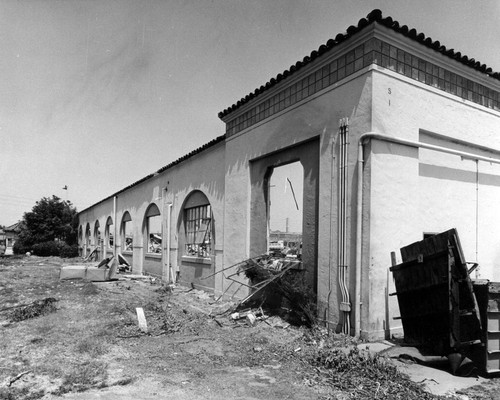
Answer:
(82, 377)
(366, 376)
(33, 310)
(91, 346)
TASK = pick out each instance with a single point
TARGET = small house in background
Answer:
(11, 233)
(397, 137)
(2, 242)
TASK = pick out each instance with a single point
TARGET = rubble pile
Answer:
(280, 287)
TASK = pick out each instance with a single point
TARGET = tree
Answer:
(50, 220)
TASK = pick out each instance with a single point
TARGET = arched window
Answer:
(108, 233)
(198, 226)
(87, 235)
(97, 234)
(153, 231)
(127, 235)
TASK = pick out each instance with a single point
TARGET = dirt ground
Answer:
(86, 344)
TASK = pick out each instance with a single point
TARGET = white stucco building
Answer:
(398, 137)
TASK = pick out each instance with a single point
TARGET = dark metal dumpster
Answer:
(436, 299)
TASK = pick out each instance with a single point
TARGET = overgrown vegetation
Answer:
(35, 309)
(81, 377)
(362, 375)
(50, 229)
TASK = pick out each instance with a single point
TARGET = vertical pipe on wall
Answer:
(339, 225)
(391, 139)
(359, 220)
(477, 214)
(114, 226)
(332, 169)
(169, 226)
(345, 305)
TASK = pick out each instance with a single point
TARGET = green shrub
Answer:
(20, 248)
(67, 251)
(46, 249)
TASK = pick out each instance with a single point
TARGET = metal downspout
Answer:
(169, 226)
(114, 226)
(345, 305)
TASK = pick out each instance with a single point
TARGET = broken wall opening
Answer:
(305, 157)
(285, 214)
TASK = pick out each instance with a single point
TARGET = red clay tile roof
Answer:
(372, 17)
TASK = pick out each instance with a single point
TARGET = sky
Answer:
(97, 94)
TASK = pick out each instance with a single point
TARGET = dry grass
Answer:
(92, 341)
(84, 376)
(361, 375)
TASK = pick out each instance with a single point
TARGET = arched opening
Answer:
(152, 236)
(152, 230)
(97, 240)
(87, 244)
(109, 236)
(126, 233)
(196, 242)
(80, 241)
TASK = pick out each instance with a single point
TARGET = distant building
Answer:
(398, 137)
(2, 241)
(8, 237)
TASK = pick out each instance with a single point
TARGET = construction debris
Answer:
(104, 271)
(272, 280)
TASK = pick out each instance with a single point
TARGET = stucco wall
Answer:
(406, 191)
(415, 191)
(203, 172)
(318, 117)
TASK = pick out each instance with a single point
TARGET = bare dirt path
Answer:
(89, 346)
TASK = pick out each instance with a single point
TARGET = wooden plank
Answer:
(143, 326)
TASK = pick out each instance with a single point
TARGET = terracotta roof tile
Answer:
(372, 17)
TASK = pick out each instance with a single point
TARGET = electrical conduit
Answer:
(345, 305)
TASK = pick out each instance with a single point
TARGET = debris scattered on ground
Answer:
(190, 338)
(276, 283)
(35, 309)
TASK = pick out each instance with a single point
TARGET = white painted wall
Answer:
(415, 191)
